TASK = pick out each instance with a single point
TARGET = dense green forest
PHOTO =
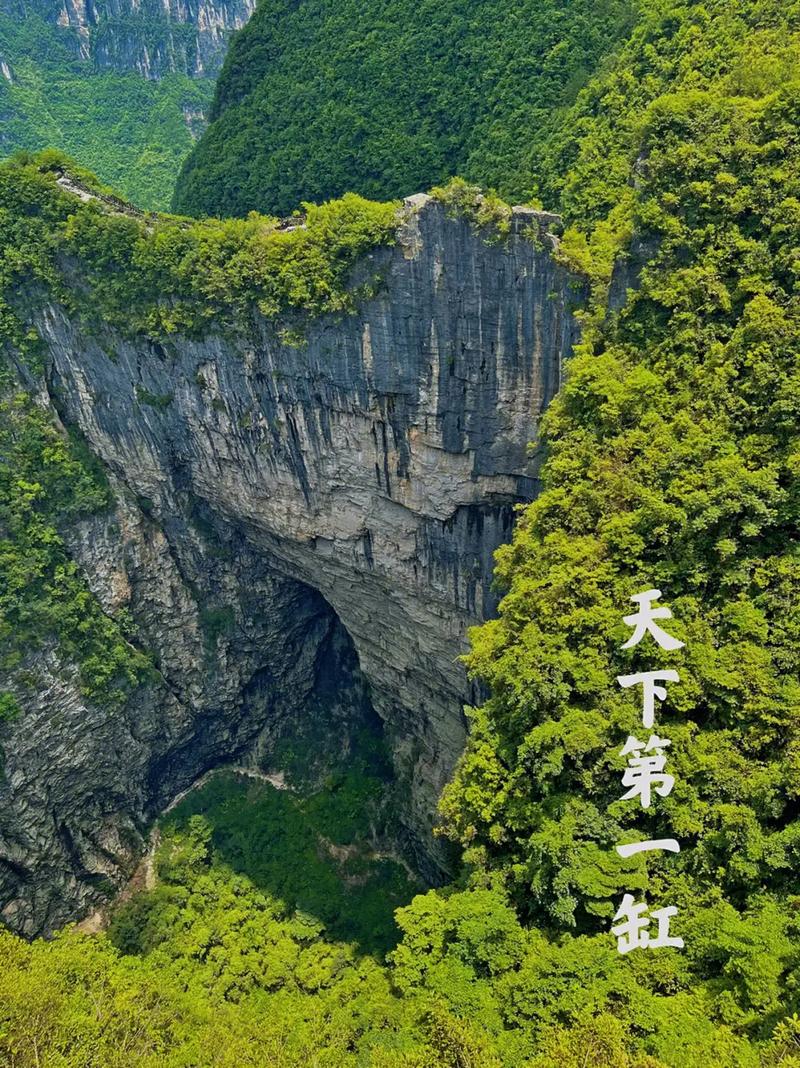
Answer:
(320, 98)
(673, 456)
(133, 132)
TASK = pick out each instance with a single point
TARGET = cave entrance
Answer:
(295, 789)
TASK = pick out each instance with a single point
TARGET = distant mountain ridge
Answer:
(122, 85)
(150, 37)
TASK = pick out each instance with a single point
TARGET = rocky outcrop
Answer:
(301, 521)
(152, 37)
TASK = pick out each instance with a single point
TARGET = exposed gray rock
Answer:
(349, 488)
(152, 37)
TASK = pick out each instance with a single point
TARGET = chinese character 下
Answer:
(651, 691)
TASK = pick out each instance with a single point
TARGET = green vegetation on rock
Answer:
(46, 480)
(153, 274)
(162, 275)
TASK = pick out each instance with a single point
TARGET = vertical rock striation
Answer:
(349, 486)
(151, 37)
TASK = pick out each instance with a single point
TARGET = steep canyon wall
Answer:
(151, 37)
(329, 495)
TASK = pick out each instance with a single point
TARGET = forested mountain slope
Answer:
(318, 98)
(672, 460)
(122, 87)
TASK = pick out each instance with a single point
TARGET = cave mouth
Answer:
(303, 800)
(335, 728)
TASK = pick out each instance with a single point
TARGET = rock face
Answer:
(300, 523)
(152, 37)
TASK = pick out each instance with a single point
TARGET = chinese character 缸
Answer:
(633, 932)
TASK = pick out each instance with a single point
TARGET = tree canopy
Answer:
(320, 98)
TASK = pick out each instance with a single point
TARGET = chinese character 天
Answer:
(646, 775)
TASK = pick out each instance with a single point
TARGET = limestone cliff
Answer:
(304, 526)
(150, 37)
